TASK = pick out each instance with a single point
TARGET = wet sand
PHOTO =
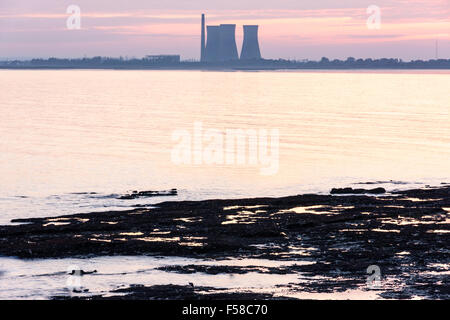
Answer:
(404, 233)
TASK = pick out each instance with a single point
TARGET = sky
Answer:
(290, 29)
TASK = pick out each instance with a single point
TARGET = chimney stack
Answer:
(203, 49)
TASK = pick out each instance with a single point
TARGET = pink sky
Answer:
(288, 29)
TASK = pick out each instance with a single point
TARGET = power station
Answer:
(212, 49)
(221, 43)
(250, 46)
(227, 50)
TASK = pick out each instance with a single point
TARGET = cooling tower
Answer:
(203, 49)
(250, 46)
(212, 43)
(228, 49)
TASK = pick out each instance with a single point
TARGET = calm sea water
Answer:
(72, 141)
(68, 132)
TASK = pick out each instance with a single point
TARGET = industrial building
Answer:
(221, 43)
(227, 49)
(163, 58)
(212, 44)
(250, 46)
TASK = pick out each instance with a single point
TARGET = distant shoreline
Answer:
(174, 63)
(219, 68)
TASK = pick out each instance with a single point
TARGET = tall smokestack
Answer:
(228, 49)
(250, 46)
(202, 50)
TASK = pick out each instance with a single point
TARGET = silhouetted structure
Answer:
(212, 44)
(173, 62)
(163, 58)
(203, 49)
(221, 43)
(250, 46)
(228, 50)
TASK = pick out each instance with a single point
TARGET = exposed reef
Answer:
(405, 233)
(143, 194)
(357, 191)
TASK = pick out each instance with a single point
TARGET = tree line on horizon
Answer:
(168, 61)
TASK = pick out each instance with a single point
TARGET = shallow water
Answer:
(74, 140)
(65, 132)
(44, 278)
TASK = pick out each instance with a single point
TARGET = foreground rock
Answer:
(405, 233)
(145, 194)
(357, 191)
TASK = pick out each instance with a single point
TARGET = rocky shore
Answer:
(404, 233)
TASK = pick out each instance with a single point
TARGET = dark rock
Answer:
(140, 194)
(81, 272)
(357, 191)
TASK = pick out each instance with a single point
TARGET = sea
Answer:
(75, 141)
